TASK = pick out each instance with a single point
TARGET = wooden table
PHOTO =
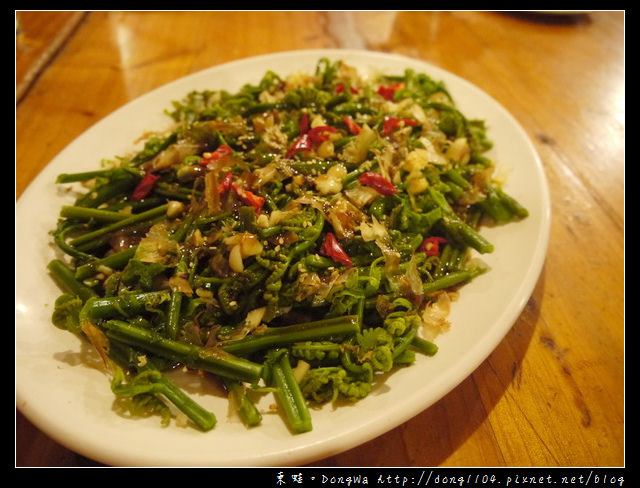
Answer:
(552, 393)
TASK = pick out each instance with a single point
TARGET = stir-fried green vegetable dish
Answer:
(300, 237)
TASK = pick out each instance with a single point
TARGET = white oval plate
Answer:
(62, 389)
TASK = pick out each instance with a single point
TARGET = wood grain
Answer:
(552, 392)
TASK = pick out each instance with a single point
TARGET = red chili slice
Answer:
(378, 183)
(225, 183)
(249, 198)
(309, 139)
(391, 123)
(222, 151)
(431, 245)
(304, 123)
(144, 186)
(320, 134)
(340, 88)
(302, 143)
(388, 91)
(332, 249)
(351, 125)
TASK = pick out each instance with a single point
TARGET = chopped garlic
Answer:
(317, 120)
(262, 221)
(325, 149)
(459, 150)
(247, 243)
(300, 370)
(254, 317)
(331, 182)
(421, 157)
(417, 185)
(235, 259)
(174, 209)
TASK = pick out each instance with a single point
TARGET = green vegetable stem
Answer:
(288, 392)
(215, 361)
